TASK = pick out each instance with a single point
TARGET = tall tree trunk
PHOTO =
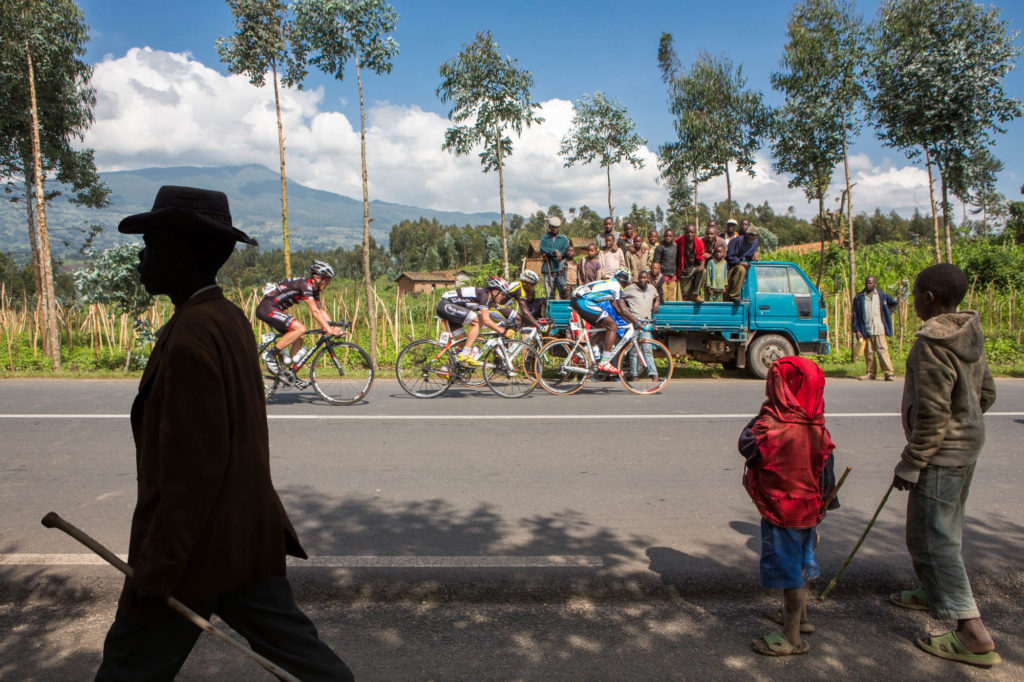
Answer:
(728, 188)
(945, 215)
(284, 191)
(608, 170)
(37, 275)
(821, 226)
(931, 198)
(696, 204)
(849, 226)
(51, 336)
(371, 305)
(501, 198)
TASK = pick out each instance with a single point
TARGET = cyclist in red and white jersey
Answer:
(272, 310)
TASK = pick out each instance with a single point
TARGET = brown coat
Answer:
(208, 519)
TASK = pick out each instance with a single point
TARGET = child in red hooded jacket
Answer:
(789, 473)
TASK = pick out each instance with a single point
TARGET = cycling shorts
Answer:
(457, 316)
(595, 311)
(276, 319)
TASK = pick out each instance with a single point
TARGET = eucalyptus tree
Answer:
(262, 42)
(332, 32)
(938, 71)
(823, 81)
(48, 103)
(490, 95)
(717, 120)
(602, 131)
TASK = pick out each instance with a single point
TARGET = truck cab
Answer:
(780, 313)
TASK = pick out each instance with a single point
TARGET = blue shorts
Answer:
(787, 556)
(595, 311)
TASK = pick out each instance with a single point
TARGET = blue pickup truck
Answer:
(781, 313)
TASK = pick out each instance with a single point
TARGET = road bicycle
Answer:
(339, 371)
(567, 364)
(427, 368)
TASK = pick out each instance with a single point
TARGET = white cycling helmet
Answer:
(529, 276)
(321, 268)
(622, 274)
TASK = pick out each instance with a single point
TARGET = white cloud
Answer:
(159, 108)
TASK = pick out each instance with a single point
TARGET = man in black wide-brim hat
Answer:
(208, 529)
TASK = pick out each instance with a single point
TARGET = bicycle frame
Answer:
(629, 337)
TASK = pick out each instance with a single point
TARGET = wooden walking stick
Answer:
(835, 491)
(857, 546)
(53, 520)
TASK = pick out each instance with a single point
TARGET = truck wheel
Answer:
(764, 351)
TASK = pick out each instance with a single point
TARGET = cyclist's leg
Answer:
(293, 337)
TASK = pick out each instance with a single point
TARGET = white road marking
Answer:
(497, 417)
(352, 561)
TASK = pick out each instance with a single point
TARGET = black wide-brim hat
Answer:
(206, 209)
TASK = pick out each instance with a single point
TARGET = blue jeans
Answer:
(935, 525)
(634, 363)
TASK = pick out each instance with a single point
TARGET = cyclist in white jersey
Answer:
(600, 303)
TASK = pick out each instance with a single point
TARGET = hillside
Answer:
(318, 219)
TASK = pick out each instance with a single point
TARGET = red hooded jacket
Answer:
(785, 482)
(698, 252)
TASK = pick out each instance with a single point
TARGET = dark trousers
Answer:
(691, 281)
(735, 279)
(264, 612)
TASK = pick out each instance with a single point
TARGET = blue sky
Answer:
(571, 48)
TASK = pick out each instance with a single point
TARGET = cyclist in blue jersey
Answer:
(273, 310)
(600, 303)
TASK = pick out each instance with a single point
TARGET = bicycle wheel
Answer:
(506, 369)
(424, 369)
(650, 378)
(563, 370)
(270, 380)
(342, 373)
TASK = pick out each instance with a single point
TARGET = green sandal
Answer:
(776, 644)
(915, 600)
(948, 646)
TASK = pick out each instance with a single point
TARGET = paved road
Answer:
(604, 523)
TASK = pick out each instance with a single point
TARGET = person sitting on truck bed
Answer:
(600, 303)
(741, 253)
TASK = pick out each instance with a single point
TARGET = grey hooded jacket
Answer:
(947, 390)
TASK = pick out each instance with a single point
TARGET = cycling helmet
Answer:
(529, 276)
(499, 283)
(622, 274)
(321, 268)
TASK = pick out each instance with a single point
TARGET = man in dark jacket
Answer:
(742, 251)
(208, 529)
(872, 321)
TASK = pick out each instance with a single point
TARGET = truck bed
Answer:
(727, 318)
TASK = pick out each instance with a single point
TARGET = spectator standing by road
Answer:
(208, 529)
(789, 473)
(658, 280)
(872, 321)
(642, 300)
(612, 257)
(590, 269)
(717, 274)
(553, 247)
(730, 230)
(711, 238)
(947, 390)
(569, 274)
(652, 244)
(625, 241)
(741, 253)
(637, 256)
(609, 229)
(665, 256)
(691, 265)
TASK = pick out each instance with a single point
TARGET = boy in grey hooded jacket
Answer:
(947, 389)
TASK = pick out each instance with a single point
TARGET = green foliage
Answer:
(716, 119)
(264, 39)
(331, 32)
(602, 131)
(54, 33)
(112, 279)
